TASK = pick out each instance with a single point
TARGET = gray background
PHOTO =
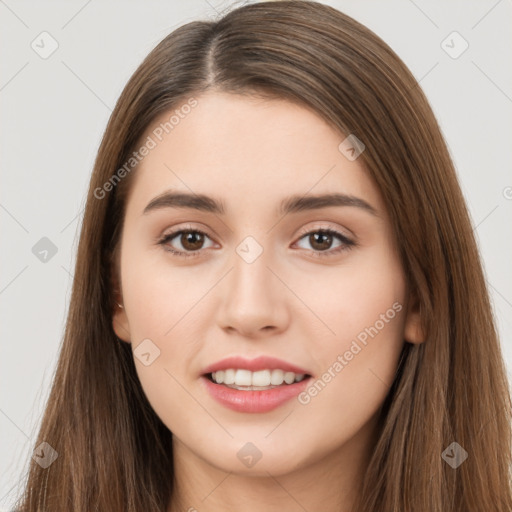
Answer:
(54, 112)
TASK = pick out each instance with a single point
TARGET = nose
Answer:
(254, 299)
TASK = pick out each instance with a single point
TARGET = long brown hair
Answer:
(114, 453)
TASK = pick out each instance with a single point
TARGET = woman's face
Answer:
(262, 283)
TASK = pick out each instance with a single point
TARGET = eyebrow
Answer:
(292, 204)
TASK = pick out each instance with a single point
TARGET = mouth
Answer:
(259, 391)
(261, 380)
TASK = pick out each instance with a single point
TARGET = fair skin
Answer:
(287, 303)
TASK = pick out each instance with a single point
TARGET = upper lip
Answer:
(259, 363)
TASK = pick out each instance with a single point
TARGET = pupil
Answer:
(193, 240)
(321, 235)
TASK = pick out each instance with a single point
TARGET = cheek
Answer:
(363, 306)
(356, 299)
(160, 307)
(162, 304)
(159, 297)
(355, 379)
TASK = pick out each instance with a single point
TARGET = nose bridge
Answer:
(250, 276)
(252, 299)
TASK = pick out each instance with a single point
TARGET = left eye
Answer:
(324, 237)
(190, 240)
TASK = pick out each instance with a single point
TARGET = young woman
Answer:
(278, 301)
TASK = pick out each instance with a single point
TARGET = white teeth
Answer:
(243, 378)
(229, 377)
(289, 377)
(277, 377)
(260, 379)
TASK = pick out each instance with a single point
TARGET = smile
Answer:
(247, 380)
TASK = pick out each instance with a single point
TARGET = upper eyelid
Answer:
(302, 231)
(342, 231)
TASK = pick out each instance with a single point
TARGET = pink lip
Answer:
(259, 363)
(253, 401)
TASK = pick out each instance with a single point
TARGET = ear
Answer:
(120, 322)
(413, 331)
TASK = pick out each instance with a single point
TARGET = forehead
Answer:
(246, 150)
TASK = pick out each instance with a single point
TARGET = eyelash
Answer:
(347, 243)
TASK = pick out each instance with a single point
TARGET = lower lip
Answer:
(254, 401)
